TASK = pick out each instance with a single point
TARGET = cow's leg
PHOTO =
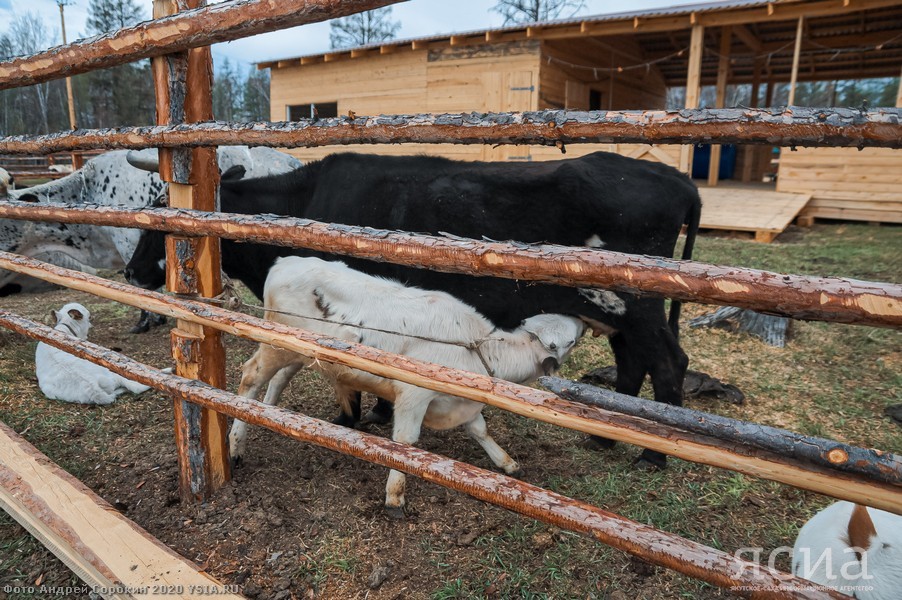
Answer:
(349, 402)
(410, 408)
(668, 370)
(653, 345)
(268, 365)
(630, 375)
(479, 432)
(146, 321)
(381, 412)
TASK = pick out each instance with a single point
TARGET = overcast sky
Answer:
(417, 17)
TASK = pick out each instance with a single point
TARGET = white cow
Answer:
(853, 549)
(332, 299)
(62, 376)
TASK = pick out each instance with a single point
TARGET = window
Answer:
(323, 110)
(594, 100)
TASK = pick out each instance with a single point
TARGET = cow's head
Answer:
(557, 335)
(147, 266)
(74, 318)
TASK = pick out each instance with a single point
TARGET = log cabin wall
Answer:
(845, 183)
(566, 81)
(491, 77)
(486, 77)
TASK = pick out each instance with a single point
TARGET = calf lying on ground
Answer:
(332, 299)
(853, 549)
(65, 377)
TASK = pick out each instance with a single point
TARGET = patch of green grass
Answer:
(847, 250)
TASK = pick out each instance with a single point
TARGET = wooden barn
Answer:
(629, 61)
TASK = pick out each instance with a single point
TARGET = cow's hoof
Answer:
(237, 461)
(597, 443)
(650, 463)
(517, 473)
(344, 420)
(395, 513)
(142, 327)
(376, 418)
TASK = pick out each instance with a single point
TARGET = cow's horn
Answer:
(143, 161)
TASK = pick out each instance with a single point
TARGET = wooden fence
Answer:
(182, 68)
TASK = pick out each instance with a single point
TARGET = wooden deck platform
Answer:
(755, 208)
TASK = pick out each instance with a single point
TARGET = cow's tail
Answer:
(692, 221)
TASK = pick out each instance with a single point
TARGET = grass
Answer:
(831, 380)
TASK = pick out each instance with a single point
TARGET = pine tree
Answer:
(34, 109)
(363, 28)
(227, 92)
(120, 95)
(533, 11)
(255, 99)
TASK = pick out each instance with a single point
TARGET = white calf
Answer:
(361, 308)
(853, 549)
(65, 377)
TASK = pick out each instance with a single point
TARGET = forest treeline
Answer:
(116, 97)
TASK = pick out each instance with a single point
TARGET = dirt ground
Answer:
(298, 521)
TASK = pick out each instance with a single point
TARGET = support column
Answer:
(693, 88)
(795, 62)
(899, 93)
(183, 83)
(723, 73)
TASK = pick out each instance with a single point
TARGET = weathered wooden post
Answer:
(183, 83)
(693, 88)
(723, 75)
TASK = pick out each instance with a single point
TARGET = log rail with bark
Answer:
(882, 466)
(799, 297)
(789, 127)
(518, 399)
(223, 22)
(655, 546)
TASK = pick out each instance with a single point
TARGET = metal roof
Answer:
(680, 10)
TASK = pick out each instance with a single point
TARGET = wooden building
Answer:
(628, 61)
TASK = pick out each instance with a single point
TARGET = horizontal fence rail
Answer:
(518, 399)
(650, 544)
(795, 126)
(795, 296)
(882, 466)
(230, 20)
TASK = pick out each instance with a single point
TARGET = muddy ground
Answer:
(298, 521)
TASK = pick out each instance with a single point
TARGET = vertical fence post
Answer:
(183, 83)
(693, 88)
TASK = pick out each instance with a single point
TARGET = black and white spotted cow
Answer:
(107, 179)
(601, 200)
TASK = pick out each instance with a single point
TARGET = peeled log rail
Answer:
(515, 398)
(879, 465)
(794, 126)
(231, 20)
(794, 296)
(652, 545)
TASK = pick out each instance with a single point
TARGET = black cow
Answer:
(601, 200)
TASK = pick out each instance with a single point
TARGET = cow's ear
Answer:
(55, 316)
(161, 201)
(76, 314)
(861, 529)
(233, 173)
